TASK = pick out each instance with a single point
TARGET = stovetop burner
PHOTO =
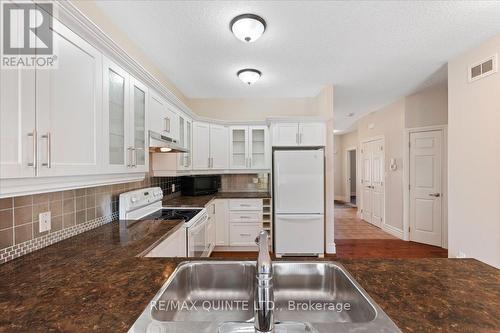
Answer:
(173, 214)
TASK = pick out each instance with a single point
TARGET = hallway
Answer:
(349, 226)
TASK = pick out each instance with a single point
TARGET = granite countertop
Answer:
(202, 200)
(95, 282)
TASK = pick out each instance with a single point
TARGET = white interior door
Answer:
(69, 108)
(366, 165)
(426, 187)
(373, 182)
(377, 182)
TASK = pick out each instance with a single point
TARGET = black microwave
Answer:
(199, 185)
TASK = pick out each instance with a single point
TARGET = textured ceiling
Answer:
(373, 52)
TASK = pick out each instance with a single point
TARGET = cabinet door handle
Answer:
(300, 138)
(129, 157)
(436, 195)
(48, 164)
(297, 138)
(167, 124)
(245, 234)
(245, 217)
(209, 162)
(33, 164)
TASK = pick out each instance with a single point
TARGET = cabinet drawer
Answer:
(244, 234)
(245, 204)
(245, 217)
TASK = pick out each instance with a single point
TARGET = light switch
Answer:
(44, 222)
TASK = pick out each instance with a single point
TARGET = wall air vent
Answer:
(483, 68)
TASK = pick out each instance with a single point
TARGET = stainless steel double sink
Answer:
(217, 296)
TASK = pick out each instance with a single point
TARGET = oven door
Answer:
(197, 239)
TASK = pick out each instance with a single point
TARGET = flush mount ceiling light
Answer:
(248, 27)
(249, 75)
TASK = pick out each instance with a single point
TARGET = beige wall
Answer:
(428, 107)
(474, 158)
(338, 168)
(96, 15)
(253, 109)
(389, 123)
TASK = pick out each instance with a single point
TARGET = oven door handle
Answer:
(198, 225)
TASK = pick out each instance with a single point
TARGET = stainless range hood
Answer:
(163, 144)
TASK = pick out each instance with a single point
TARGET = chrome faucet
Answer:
(264, 297)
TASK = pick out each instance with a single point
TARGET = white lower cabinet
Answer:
(244, 234)
(219, 211)
(173, 246)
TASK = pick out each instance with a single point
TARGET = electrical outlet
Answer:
(255, 180)
(173, 188)
(44, 222)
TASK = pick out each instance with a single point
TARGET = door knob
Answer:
(437, 195)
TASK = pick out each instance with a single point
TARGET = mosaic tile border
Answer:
(15, 251)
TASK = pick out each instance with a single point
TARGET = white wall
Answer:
(253, 109)
(389, 123)
(474, 158)
(427, 107)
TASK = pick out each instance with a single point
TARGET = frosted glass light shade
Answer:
(249, 75)
(248, 27)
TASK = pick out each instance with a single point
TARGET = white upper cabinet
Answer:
(248, 147)
(138, 143)
(312, 134)
(117, 151)
(258, 147)
(185, 138)
(219, 146)
(126, 103)
(285, 134)
(210, 146)
(201, 145)
(299, 134)
(69, 108)
(163, 118)
(238, 147)
(18, 136)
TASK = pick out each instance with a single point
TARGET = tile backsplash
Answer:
(245, 183)
(72, 212)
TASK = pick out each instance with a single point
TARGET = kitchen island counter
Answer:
(95, 282)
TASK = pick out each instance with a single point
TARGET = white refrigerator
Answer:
(299, 201)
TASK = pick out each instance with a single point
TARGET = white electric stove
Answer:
(146, 204)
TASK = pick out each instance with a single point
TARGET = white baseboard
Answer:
(339, 198)
(393, 231)
(331, 249)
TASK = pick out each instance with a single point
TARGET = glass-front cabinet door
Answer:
(238, 149)
(137, 146)
(116, 89)
(258, 151)
(184, 159)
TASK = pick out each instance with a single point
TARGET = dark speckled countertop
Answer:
(94, 282)
(202, 200)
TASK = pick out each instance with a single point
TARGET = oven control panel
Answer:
(139, 199)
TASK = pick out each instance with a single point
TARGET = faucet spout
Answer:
(264, 296)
